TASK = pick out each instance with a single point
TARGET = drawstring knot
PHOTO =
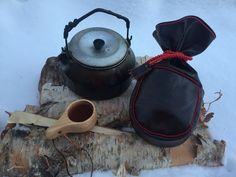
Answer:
(167, 55)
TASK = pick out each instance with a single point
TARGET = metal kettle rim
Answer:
(98, 47)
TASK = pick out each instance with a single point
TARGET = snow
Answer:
(32, 30)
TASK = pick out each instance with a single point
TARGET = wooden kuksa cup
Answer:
(80, 116)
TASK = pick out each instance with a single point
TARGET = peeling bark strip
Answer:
(29, 154)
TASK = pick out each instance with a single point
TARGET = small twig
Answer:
(67, 170)
(200, 137)
(46, 160)
(45, 157)
(77, 147)
(210, 103)
(91, 160)
(8, 113)
(7, 128)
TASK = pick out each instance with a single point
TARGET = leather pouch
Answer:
(166, 101)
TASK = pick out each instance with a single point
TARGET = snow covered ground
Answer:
(31, 31)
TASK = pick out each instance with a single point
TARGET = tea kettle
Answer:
(97, 61)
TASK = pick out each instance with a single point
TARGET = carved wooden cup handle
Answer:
(80, 116)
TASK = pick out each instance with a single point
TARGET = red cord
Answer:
(167, 55)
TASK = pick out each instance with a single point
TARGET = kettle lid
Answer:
(98, 47)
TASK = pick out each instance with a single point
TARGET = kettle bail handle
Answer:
(73, 24)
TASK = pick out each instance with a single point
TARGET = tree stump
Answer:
(26, 152)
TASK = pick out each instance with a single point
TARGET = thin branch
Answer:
(91, 160)
(8, 113)
(83, 149)
(67, 170)
(6, 129)
(45, 157)
(220, 94)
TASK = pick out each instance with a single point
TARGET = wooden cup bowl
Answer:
(80, 116)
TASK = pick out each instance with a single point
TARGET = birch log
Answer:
(26, 152)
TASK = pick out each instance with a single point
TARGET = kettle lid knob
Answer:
(98, 44)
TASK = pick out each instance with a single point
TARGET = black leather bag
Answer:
(166, 101)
